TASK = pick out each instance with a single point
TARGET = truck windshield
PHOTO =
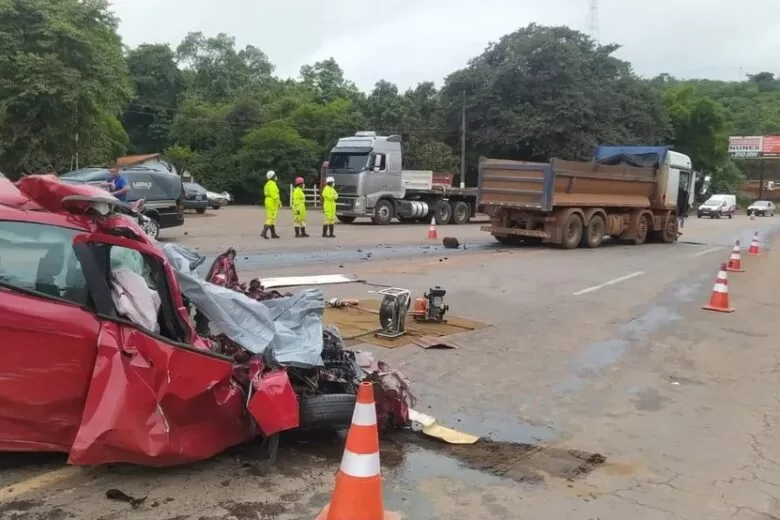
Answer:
(353, 162)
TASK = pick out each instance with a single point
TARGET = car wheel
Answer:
(345, 220)
(326, 411)
(698, 215)
(216, 207)
(200, 211)
(151, 227)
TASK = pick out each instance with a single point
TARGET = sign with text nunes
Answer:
(746, 146)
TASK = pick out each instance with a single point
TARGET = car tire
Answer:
(698, 215)
(200, 211)
(326, 411)
(346, 220)
(151, 227)
(215, 207)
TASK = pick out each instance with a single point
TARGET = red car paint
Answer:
(102, 388)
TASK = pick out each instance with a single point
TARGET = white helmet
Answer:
(270, 175)
(330, 180)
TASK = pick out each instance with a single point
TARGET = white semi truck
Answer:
(371, 183)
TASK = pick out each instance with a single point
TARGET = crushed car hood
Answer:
(287, 331)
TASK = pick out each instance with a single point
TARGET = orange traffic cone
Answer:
(432, 235)
(735, 261)
(358, 491)
(754, 249)
(719, 301)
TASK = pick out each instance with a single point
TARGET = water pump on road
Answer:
(431, 307)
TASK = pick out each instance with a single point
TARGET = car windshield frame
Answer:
(761, 204)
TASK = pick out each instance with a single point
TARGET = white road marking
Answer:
(708, 251)
(607, 284)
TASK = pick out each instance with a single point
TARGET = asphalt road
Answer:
(603, 351)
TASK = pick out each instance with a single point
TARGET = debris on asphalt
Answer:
(432, 428)
(340, 303)
(120, 496)
(322, 279)
(450, 243)
(434, 343)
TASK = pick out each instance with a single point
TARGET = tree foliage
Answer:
(63, 81)
(218, 111)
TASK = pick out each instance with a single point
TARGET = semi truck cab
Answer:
(371, 182)
(366, 168)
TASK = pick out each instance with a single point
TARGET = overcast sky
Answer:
(427, 39)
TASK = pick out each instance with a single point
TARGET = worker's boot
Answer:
(264, 234)
(303, 232)
(330, 231)
(273, 232)
(297, 232)
(324, 231)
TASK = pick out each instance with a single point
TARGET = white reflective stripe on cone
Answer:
(721, 288)
(360, 466)
(364, 414)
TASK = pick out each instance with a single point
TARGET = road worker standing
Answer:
(299, 208)
(272, 204)
(329, 198)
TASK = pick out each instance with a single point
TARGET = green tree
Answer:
(551, 91)
(700, 127)
(63, 81)
(182, 157)
(275, 146)
(158, 84)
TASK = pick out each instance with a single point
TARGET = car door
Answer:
(153, 399)
(49, 328)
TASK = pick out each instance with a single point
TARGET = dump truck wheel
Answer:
(642, 230)
(326, 411)
(594, 232)
(572, 231)
(669, 233)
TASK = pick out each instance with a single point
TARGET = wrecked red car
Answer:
(89, 371)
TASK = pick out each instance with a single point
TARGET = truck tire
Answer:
(461, 212)
(345, 220)
(642, 230)
(572, 231)
(383, 212)
(593, 235)
(326, 411)
(443, 213)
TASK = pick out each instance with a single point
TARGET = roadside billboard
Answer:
(741, 146)
(747, 146)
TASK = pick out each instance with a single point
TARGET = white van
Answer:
(718, 206)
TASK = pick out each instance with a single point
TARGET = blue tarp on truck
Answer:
(605, 152)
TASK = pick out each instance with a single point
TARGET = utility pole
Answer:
(463, 141)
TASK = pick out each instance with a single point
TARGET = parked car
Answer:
(162, 193)
(195, 197)
(764, 208)
(217, 200)
(718, 206)
(102, 360)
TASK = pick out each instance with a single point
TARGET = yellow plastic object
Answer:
(432, 428)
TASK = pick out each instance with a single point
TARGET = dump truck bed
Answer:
(543, 186)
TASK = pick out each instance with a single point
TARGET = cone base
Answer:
(754, 254)
(731, 270)
(388, 515)
(717, 309)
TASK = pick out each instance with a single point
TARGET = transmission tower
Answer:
(593, 19)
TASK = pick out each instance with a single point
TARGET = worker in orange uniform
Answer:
(272, 204)
(329, 198)
(299, 208)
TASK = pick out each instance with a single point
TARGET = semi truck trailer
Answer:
(626, 192)
(371, 183)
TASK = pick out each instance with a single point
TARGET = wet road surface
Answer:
(592, 353)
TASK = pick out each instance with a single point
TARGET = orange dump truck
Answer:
(627, 192)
